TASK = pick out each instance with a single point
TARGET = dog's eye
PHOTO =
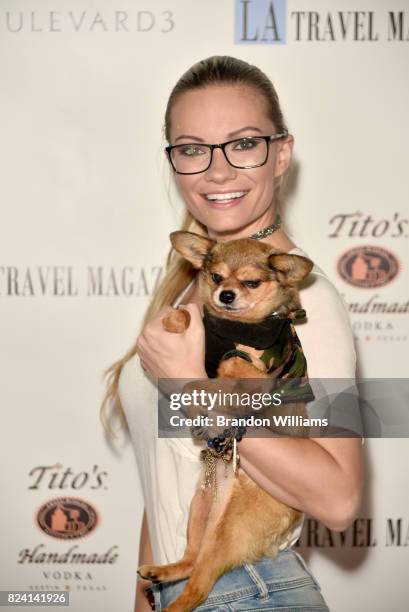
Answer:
(216, 278)
(251, 284)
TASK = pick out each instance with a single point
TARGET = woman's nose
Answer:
(220, 167)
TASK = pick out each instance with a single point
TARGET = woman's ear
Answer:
(290, 269)
(192, 247)
(283, 156)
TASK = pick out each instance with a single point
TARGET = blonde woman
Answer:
(223, 101)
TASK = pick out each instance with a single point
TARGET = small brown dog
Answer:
(247, 282)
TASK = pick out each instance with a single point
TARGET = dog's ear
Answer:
(290, 269)
(192, 247)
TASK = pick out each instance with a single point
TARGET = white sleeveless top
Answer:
(170, 468)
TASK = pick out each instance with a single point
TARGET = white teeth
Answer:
(225, 196)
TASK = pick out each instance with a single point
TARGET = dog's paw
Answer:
(176, 321)
(149, 572)
(236, 367)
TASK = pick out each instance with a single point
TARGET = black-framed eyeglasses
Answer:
(243, 153)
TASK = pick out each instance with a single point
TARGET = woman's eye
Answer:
(251, 284)
(245, 143)
(216, 278)
(190, 151)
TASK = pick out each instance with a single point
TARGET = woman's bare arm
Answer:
(321, 476)
(145, 557)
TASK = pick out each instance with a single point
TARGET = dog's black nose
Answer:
(227, 297)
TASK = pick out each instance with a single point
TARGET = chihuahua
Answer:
(248, 289)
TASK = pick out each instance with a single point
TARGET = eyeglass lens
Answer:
(241, 153)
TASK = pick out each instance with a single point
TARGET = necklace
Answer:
(267, 230)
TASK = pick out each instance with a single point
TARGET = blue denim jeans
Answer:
(284, 584)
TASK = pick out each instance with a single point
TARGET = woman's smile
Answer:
(223, 199)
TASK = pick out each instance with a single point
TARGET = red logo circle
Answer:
(368, 266)
(67, 518)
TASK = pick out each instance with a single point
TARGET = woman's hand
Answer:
(165, 354)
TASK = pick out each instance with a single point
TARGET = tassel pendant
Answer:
(236, 457)
(210, 478)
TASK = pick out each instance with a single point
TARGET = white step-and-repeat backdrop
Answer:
(87, 204)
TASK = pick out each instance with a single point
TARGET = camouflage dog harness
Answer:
(275, 337)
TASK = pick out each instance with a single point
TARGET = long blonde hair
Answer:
(215, 70)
